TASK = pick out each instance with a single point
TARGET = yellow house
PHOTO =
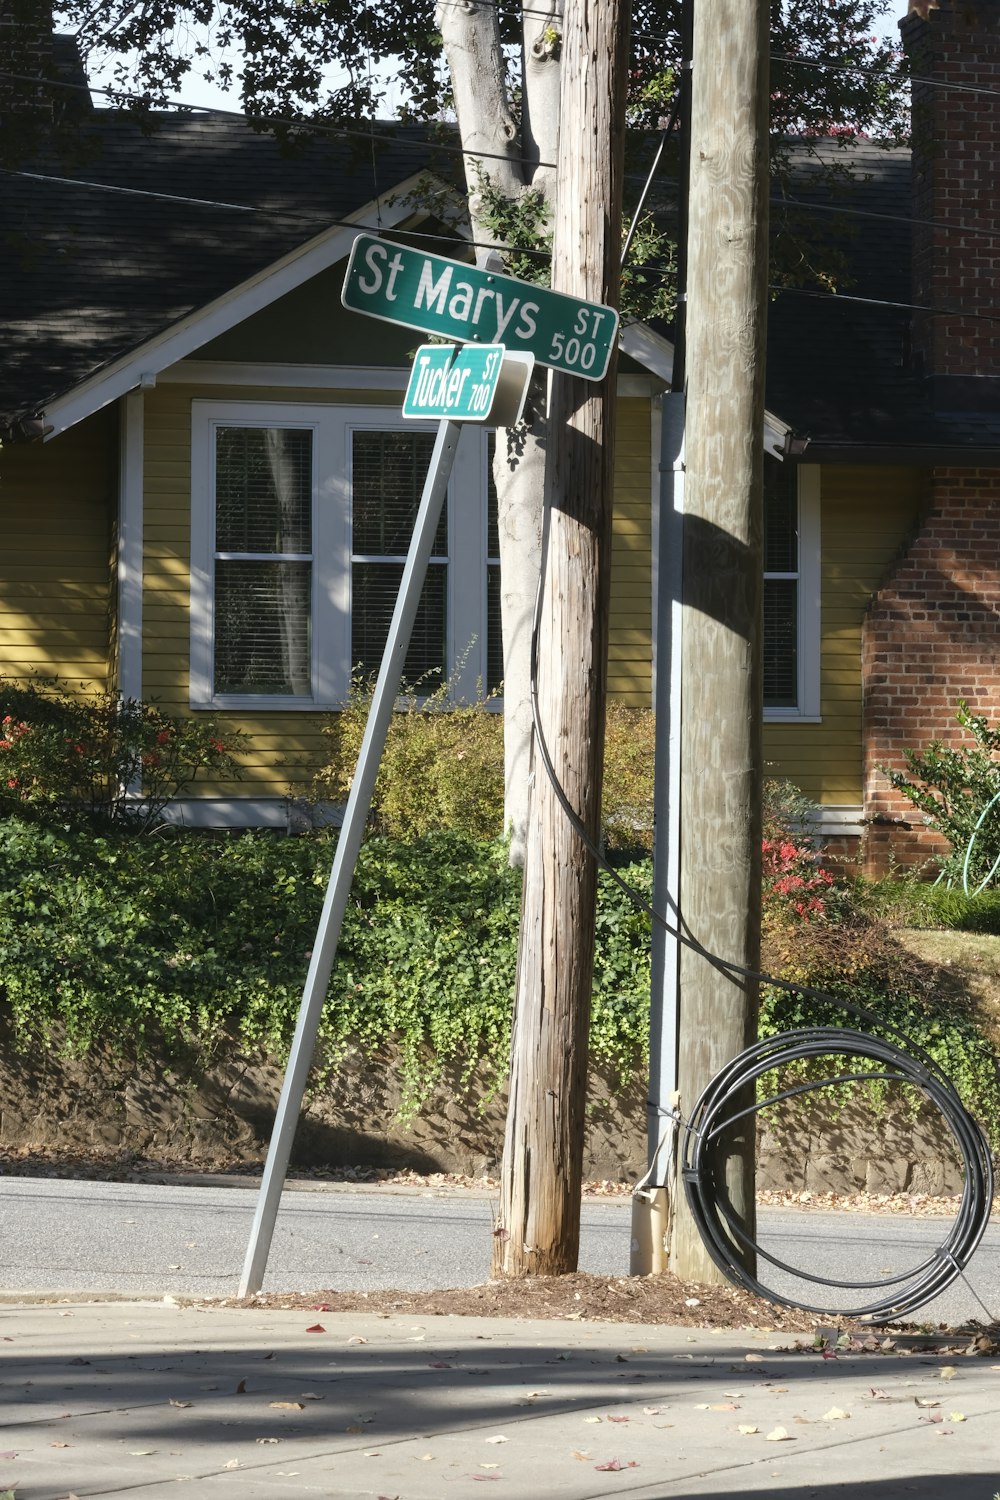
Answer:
(206, 483)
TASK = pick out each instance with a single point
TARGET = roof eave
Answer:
(142, 364)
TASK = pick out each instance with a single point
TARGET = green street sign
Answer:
(453, 384)
(401, 285)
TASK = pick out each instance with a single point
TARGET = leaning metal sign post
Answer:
(468, 384)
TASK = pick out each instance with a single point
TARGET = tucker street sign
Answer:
(470, 383)
(455, 301)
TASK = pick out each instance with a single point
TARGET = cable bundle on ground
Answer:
(731, 1098)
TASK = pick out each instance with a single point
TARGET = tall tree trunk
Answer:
(512, 157)
(538, 1227)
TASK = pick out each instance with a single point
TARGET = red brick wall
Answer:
(931, 637)
(956, 168)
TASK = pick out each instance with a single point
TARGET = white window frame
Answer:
(330, 671)
(808, 620)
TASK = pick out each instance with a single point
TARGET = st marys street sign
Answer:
(452, 300)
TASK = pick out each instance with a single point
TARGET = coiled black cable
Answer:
(723, 1105)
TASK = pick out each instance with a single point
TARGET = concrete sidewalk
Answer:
(143, 1399)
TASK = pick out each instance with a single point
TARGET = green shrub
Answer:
(188, 939)
(99, 759)
(914, 903)
(958, 791)
(443, 769)
(861, 962)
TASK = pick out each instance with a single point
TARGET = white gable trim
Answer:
(209, 322)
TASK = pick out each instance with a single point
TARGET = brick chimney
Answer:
(26, 56)
(956, 172)
(932, 633)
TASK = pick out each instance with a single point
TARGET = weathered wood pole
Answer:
(538, 1226)
(720, 681)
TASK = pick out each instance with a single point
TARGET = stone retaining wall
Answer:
(106, 1106)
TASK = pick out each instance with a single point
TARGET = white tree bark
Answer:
(515, 156)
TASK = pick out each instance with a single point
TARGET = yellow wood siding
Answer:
(286, 748)
(630, 652)
(57, 503)
(867, 514)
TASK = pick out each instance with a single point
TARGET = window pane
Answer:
(262, 627)
(781, 518)
(263, 489)
(780, 658)
(494, 631)
(375, 587)
(388, 473)
(492, 518)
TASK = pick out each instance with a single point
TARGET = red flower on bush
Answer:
(791, 872)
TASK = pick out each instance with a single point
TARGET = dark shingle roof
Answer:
(840, 371)
(89, 273)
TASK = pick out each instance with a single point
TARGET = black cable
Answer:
(722, 1105)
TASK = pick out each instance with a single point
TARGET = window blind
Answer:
(388, 470)
(263, 560)
(781, 585)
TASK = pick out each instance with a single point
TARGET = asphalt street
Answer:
(151, 1240)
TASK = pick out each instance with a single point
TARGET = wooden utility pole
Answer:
(538, 1227)
(720, 674)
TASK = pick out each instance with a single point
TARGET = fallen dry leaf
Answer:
(754, 1359)
(836, 1414)
(241, 1389)
(747, 1429)
(948, 1372)
(878, 1394)
(311, 1396)
(287, 1405)
(925, 1401)
(617, 1419)
(580, 1457)
(498, 1439)
(233, 1463)
(779, 1435)
(316, 1328)
(358, 1338)
(956, 1416)
(181, 1403)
